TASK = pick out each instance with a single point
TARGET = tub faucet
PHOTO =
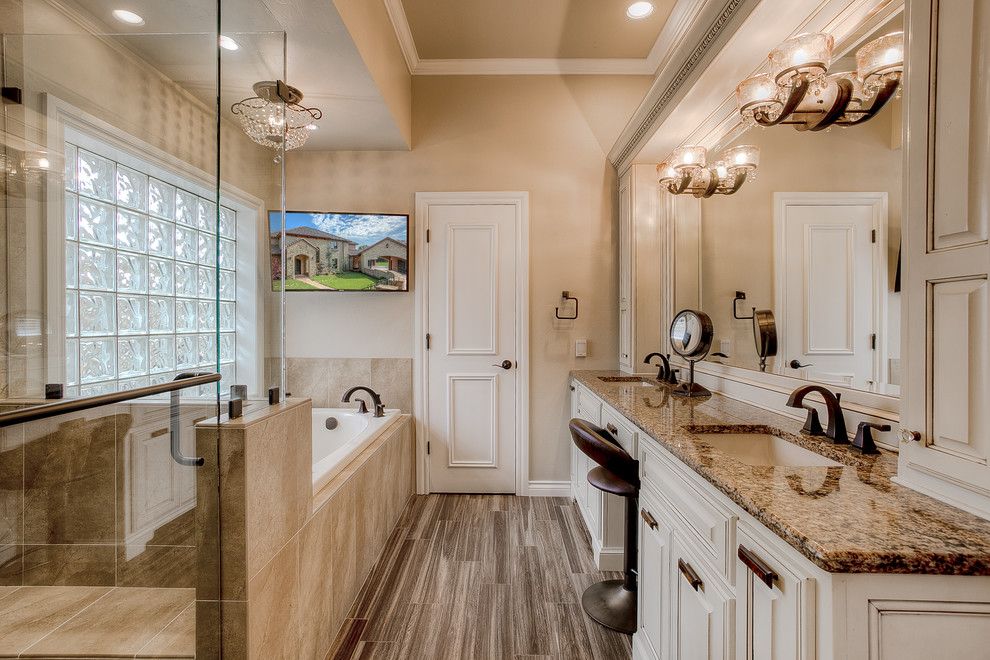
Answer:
(376, 398)
(836, 430)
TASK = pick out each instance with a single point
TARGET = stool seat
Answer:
(599, 446)
(602, 479)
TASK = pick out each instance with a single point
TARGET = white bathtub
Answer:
(334, 449)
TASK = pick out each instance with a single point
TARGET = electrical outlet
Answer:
(581, 348)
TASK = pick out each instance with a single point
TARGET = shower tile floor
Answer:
(130, 622)
(483, 577)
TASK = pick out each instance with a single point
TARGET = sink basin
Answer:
(765, 449)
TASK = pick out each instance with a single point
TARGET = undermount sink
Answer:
(765, 449)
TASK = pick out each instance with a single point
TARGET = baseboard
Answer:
(610, 559)
(550, 489)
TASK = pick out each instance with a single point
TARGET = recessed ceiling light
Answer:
(227, 43)
(129, 17)
(639, 10)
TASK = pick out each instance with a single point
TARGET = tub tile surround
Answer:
(324, 380)
(292, 563)
(848, 519)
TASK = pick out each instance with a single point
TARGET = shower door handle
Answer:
(173, 428)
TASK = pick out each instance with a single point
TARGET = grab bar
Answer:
(46, 410)
(173, 424)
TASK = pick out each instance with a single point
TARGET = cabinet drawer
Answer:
(709, 524)
(620, 429)
(589, 408)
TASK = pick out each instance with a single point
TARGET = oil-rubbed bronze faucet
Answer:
(664, 367)
(375, 398)
(836, 430)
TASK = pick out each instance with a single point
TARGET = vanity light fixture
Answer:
(127, 16)
(801, 92)
(639, 10)
(686, 170)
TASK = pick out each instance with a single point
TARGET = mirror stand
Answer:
(691, 388)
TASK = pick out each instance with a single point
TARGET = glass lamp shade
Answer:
(755, 93)
(881, 56)
(688, 156)
(805, 54)
(744, 156)
(667, 174)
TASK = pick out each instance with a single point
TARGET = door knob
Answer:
(505, 364)
(796, 364)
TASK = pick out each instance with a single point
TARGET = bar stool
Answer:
(612, 603)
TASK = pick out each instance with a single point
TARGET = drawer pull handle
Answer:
(757, 566)
(689, 575)
(611, 428)
(648, 518)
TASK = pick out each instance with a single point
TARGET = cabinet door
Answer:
(946, 297)
(770, 623)
(702, 608)
(626, 271)
(654, 579)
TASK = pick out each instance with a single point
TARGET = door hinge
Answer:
(427, 447)
(427, 341)
(873, 341)
(873, 236)
(427, 235)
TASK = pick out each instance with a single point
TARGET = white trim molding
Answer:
(520, 200)
(671, 37)
(550, 489)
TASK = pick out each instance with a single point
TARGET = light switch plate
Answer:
(580, 348)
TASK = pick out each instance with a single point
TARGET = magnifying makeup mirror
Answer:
(691, 335)
(765, 335)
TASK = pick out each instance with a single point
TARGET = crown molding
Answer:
(682, 16)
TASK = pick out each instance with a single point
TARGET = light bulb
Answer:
(129, 17)
(227, 43)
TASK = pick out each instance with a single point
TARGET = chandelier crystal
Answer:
(800, 91)
(686, 170)
(275, 117)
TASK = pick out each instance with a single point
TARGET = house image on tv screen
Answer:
(340, 252)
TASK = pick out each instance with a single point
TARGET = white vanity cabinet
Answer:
(639, 267)
(604, 514)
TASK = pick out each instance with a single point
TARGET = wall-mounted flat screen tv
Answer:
(340, 251)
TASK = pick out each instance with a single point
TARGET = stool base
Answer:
(612, 605)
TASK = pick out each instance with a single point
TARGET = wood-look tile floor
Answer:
(481, 576)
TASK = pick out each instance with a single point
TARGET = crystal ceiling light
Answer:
(275, 117)
(686, 171)
(800, 91)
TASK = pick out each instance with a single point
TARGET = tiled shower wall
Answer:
(324, 380)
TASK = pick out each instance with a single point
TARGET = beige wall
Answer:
(547, 135)
(737, 230)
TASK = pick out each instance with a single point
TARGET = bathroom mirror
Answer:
(813, 239)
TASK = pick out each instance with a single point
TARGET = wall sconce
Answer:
(686, 170)
(800, 91)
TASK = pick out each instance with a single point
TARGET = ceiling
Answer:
(478, 29)
(319, 58)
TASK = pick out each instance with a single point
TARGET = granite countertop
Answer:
(848, 519)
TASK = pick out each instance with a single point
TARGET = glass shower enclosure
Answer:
(135, 304)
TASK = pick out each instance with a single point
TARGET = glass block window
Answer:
(148, 283)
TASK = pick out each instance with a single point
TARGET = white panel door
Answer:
(471, 319)
(946, 393)
(830, 291)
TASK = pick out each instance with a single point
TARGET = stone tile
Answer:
(11, 565)
(30, 613)
(122, 622)
(177, 640)
(344, 550)
(309, 377)
(278, 482)
(316, 593)
(164, 566)
(211, 635)
(69, 478)
(345, 373)
(274, 612)
(11, 485)
(227, 461)
(392, 378)
(90, 565)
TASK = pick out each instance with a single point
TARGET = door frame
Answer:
(520, 200)
(783, 200)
